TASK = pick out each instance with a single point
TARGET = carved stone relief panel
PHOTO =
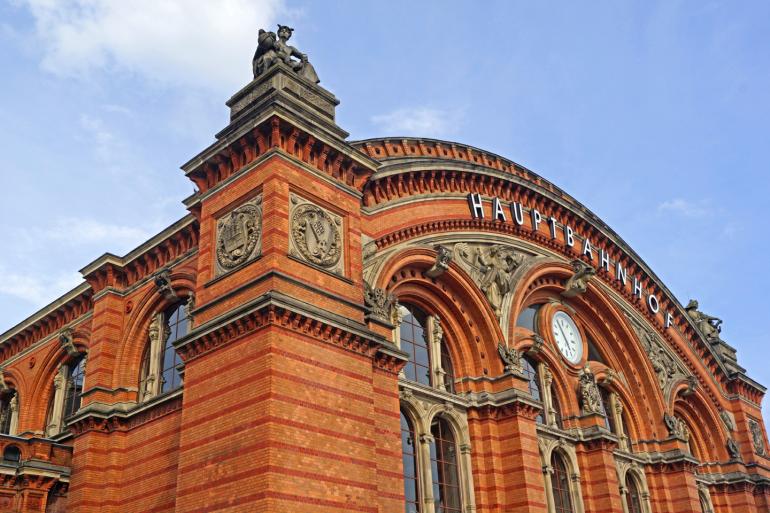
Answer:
(668, 368)
(239, 236)
(316, 235)
(756, 437)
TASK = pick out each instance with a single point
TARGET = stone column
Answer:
(466, 477)
(59, 382)
(436, 337)
(547, 478)
(13, 406)
(549, 412)
(154, 334)
(426, 481)
(616, 409)
(624, 497)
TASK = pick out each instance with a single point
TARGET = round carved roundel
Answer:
(238, 236)
(316, 235)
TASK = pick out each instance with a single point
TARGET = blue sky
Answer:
(653, 114)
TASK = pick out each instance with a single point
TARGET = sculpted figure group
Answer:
(710, 326)
(274, 48)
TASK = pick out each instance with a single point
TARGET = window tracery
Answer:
(9, 412)
(68, 384)
(161, 367)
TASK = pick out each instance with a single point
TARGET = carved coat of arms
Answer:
(316, 235)
(239, 235)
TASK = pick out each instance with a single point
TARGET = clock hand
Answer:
(562, 331)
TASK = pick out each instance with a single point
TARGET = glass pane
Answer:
(527, 316)
(409, 459)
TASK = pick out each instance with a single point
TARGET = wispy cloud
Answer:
(686, 208)
(77, 231)
(422, 121)
(36, 288)
(172, 41)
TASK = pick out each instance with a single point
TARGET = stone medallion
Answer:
(239, 236)
(316, 235)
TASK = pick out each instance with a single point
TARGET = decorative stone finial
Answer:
(590, 398)
(272, 48)
(379, 302)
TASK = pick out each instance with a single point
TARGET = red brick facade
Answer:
(296, 381)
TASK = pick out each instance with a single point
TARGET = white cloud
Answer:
(207, 44)
(36, 288)
(686, 208)
(421, 121)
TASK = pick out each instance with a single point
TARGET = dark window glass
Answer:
(74, 387)
(533, 381)
(409, 458)
(12, 454)
(633, 497)
(5, 412)
(609, 418)
(593, 352)
(526, 318)
(560, 485)
(144, 371)
(443, 461)
(176, 326)
(446, 364)
(414, 341)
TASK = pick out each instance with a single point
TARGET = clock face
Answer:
(567, 336)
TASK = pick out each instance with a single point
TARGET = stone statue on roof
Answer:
(710, 326)
(272, 48)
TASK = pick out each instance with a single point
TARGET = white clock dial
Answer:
(567, 336)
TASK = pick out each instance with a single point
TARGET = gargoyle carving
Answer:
(443, 258)
(379, 302)
(67, 341)
(511, 357)
(578, 283)
(163, 282)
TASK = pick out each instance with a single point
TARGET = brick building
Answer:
(384, 325)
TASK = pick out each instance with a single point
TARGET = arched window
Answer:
(66, 395)
(12, 454)
(74, 387)
(422, 336)
(560, 485)
(9, 406)
(633, 497)
(526, 318)
(161, 366)
(444, 465)
(176, 327)
(529, 367)
(414, 340)
(411, 472)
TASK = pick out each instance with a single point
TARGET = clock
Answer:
(567, 336)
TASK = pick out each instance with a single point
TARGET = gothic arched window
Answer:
(529, 368)
(444, 463)
(411, 469)
(9, 407)
(74, 386)
(560, 485)
(66, 395)
(633, 497)
(414, 340)
(422, 336)
(161, 366)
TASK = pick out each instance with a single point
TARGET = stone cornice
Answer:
(107, 418)
(277, 309)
